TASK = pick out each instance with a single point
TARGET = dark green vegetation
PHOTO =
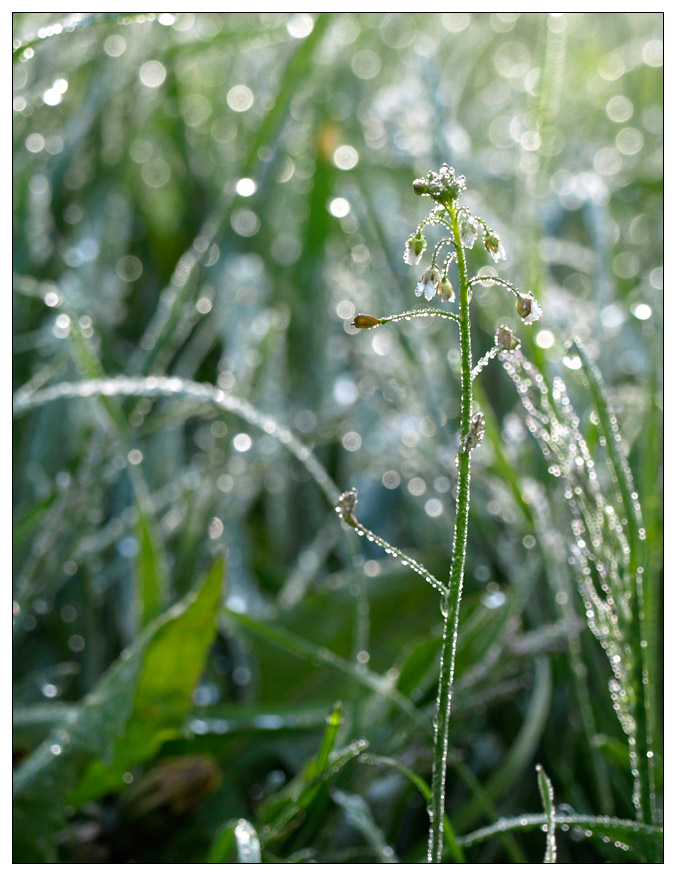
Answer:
(149, 721)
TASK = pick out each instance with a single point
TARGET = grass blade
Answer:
(321, 656)
(548, 800)
(420, 784)
(638, 837)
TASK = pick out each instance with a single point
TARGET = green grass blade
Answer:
(547, 794)
(306, 790)
(152, 387)
(642, 636)
(321, 656)
(359, 815)
(236, 843)
(420, 784)
(638, 837)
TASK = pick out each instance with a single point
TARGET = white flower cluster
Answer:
(444, 187)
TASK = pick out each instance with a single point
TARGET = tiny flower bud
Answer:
(442, 185)
(421, 186)
(428, 284)
(494, 245)
(506, 339)
(468, 232)
(528, 308)
(346, 507)
(364, 321)
(415, 248)
(476, 433)
(446, 291)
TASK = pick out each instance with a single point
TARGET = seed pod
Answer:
(345, 507)
(506, 339)
(364, 321)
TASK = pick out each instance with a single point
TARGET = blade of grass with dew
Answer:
(642, 632)
(421, 786)
(236, 843)
(554, 552)
(547, 794)
(32, 580)
(241, 718)
(306, 787)
(72, 21)
(248, 844)
(33, 722)
(600, 551)
(277, 806)
(627, 576)
(359, 816)
(625, 834)
(202, 393)
(151, 567)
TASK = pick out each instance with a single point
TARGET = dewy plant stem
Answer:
(461, 231)
(452, 601)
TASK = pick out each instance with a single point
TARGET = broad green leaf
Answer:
(172, 667)
(140, 701)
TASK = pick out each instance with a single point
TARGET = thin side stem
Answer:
(453, 599)
(392, 550)
(409, 315)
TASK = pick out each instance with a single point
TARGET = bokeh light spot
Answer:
(152, 74)
(240, 98)
(346, 157)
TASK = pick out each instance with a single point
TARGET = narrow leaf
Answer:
(547, 794)
(644, 840)
(420, 784)
(320, 655)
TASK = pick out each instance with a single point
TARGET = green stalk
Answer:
(452, 602)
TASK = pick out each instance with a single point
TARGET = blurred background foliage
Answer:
(213, 197)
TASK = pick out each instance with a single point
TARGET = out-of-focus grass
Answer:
(213, 197)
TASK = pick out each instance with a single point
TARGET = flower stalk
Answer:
(461, 231)
(455, 587)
